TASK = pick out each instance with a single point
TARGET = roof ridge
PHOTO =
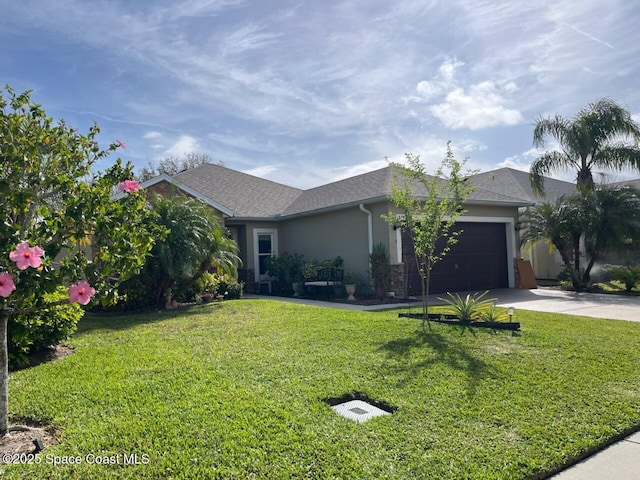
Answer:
(237, 172)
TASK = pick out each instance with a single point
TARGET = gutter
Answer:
(369, 227)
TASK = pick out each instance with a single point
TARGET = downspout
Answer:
(369, 231)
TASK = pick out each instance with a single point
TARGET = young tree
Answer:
(429, 207)
(58, 223)
(594, 138)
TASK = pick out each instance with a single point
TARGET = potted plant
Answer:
(206, 297)
(288, 271)
(350, 281)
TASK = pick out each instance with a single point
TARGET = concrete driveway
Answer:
(597, 305)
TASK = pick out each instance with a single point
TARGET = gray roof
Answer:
(515, 183)
(376, 184)
(244, 194)
(248, 196)
(372, 186)
(633, 183)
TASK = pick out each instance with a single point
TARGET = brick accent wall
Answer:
(164, 189)
(397, 283)
(167, 190)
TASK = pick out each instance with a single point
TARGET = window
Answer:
(265, 243)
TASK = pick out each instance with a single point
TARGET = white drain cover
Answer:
(358, 410)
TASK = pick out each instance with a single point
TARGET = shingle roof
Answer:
(348, 191)
(253, 197)
(244, 194)
(515, 183)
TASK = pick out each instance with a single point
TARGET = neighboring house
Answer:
(545, 261)
(343, 218)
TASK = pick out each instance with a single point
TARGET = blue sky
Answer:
(307, 92)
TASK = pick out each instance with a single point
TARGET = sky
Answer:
(308, 92)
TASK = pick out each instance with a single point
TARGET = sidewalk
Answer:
(619, 461)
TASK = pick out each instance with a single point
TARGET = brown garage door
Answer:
(477, 262)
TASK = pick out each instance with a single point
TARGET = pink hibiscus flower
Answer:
(81, 293)
(6, 284)
(129, 186)
(26, 256)
(121, 144)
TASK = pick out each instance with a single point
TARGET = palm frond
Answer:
(547, 163)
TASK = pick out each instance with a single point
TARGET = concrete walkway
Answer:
(597, 305)
(620, 461)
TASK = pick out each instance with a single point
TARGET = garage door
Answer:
(477, 262)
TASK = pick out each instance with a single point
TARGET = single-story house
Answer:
(343, 219)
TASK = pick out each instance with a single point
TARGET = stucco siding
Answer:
(327, 235)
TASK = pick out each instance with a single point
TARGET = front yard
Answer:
(236, 390)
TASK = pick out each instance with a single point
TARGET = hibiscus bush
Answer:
(60, 226)
(30, 333)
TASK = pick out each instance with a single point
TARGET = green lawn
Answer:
(235, 390)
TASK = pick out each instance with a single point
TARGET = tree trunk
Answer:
(585, 180)
(576, 277)
(4, 374)
(425, 274)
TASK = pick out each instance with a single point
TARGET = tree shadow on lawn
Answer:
(124, 320)
(438, 349)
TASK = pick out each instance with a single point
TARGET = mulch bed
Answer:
(452, 320)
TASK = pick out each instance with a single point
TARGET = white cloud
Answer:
(353, 170)
(447, 70)
(516, 163)
(152, 135)
(428, 90)
(467, 146)
(480, 107)
(185, 144)
(443, 81)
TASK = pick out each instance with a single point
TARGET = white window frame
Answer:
(256, 253)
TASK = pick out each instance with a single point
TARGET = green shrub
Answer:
(380, 270)
(207, 283)
(472, 307)
(494, 314)
(625, 274)
(229, 287)
(310, 270)
(31, 332)
(287, 269)
(136, 293)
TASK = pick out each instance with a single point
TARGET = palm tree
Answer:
(612, 217)
(560, 225)
(194, 245)
(603, 220)
(596, 137)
